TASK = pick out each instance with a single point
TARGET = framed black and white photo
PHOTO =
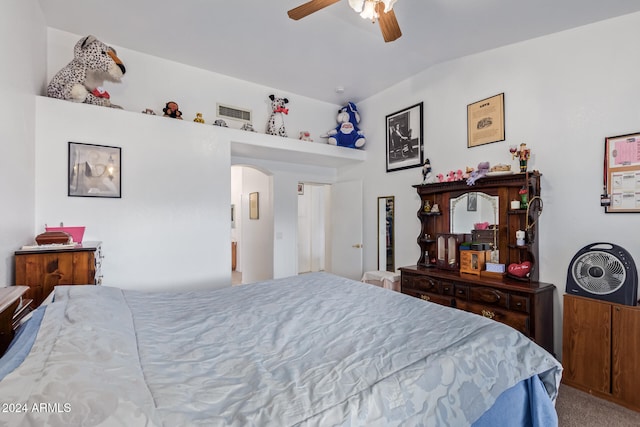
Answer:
(472, 202)
(405, 146)
(94, 170)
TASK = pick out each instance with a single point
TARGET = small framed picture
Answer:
(94, 170)
(300, 188)
(405, 138)
(254, 206)
(472, 202)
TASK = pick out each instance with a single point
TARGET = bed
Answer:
(311, 350)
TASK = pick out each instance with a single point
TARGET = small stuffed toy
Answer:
(172, 110)
(483, 169)
(275, 125)
(305, 135)
(248, 127)
(347, 133)
(198, 118)
(81, 79)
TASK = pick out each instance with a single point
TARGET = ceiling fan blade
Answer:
(388, 23)
(309, 7)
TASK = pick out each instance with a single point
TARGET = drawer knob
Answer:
(488, 314)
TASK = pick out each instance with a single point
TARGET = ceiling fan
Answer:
(381, 10)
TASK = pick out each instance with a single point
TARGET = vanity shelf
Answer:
(524, 304)
(505, 188)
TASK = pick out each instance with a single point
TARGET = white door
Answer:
(346, 229)
(311, 228)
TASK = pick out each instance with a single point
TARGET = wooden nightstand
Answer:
(12, 309)
(43, 268)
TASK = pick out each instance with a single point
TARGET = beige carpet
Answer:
(578, 409)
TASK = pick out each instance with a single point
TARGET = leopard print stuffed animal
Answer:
(81, 80)
(275, 126)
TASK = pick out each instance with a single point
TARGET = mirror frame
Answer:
(388, 259)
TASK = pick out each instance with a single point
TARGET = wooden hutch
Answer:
(520, 302)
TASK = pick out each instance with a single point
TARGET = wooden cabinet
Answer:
(601, 349)
(527, 307)
(43, 268)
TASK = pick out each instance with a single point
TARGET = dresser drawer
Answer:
(518, 321)
(436, 298)
(489, 296)
(519, 303)
(461, 291)
(426, 284)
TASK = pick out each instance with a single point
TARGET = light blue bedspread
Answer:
(313, 350)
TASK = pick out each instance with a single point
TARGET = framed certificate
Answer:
(485, 121)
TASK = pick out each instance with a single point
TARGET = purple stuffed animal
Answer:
(483, 168)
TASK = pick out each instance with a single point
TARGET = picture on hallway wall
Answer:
(485, 121)
(254, 206)
(94, 171)
(405, 146)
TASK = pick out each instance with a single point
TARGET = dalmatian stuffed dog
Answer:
(81, 80)
(275, 126)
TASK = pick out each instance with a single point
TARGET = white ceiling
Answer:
(255, 40)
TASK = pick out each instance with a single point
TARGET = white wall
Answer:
(171, 227)
(23, 47)
(150, 82)
(564, 94)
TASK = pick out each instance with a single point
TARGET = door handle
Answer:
(357, 245)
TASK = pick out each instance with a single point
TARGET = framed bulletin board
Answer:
(622, 173)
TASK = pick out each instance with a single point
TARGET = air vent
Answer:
(234, 113)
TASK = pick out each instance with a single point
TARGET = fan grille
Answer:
(599, 272)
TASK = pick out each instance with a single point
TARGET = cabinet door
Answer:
(586, 343)
(626, 355)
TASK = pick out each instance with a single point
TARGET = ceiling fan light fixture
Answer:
(367, 8)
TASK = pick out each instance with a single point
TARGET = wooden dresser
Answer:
(502, 204)
(527, 307)
(43, 268)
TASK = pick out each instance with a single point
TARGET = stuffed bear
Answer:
(275, 126)
(347, 133)
(81, 79)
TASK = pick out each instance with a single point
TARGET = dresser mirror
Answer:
(473, 208)
(386, 238)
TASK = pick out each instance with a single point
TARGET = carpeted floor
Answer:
(578, 409)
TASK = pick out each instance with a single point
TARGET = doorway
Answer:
(251, 224)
